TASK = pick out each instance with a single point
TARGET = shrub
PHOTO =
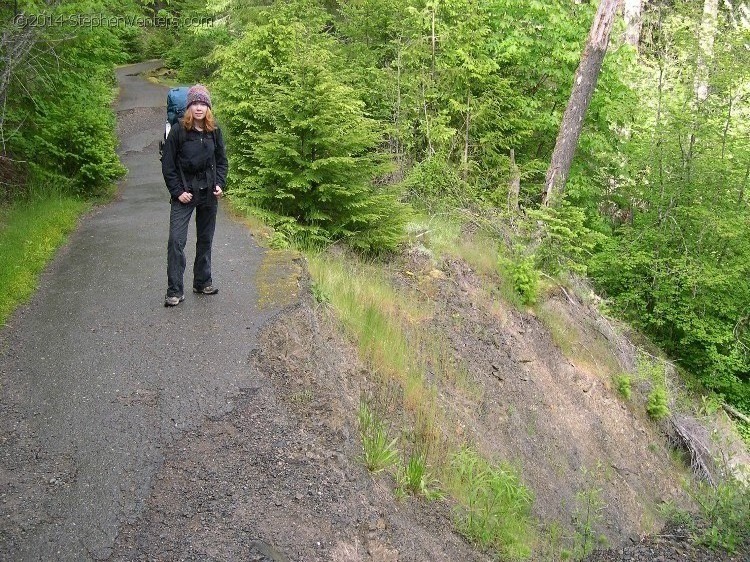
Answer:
(493, 505)
(523, 276)
(656, 405)
(725, 513)
(66, 129)
(301, 143)
(722, 517)
(624, 386)
(566, 242)
(435, 183)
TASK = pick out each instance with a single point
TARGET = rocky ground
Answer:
(672, 544)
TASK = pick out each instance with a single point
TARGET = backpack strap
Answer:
(181, 137)
(213, 159)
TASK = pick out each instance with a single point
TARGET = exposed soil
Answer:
(558, 420)
(279, 478)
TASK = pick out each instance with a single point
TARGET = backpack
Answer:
(176, 102)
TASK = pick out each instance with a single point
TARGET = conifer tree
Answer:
(304, 151)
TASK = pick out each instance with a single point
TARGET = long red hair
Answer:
(209, 123)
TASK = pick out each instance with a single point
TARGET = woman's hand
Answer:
(185, 197)
(218, 191)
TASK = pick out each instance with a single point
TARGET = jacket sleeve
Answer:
(222, 165)
(169, 163)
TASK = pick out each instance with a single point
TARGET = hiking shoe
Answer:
(207, 290)
(173, 301)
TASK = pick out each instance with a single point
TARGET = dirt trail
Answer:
(135, 432)
(279, 478)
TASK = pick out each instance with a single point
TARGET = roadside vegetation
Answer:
(57, 131)
(30, 232)
(430, 127)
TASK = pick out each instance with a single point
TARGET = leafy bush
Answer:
(434, 183)
(724, 513)
(192, 56)
(566, 242)
(523, 276)
(624, 386)
(66, 130)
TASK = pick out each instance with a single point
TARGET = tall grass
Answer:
(30, 232)
(494, 507)
(377, 318)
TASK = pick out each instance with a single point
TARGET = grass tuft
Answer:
(379, 453)
(415, 479)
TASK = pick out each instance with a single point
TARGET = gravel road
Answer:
(97, 378)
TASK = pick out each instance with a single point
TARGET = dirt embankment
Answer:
(559, 421)
(280, 477)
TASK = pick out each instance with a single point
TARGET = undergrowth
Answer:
(722, 519)
(414, 478)
(30, 232)
(623, 385)
(390, 327)
(379, 451)
(494, 507)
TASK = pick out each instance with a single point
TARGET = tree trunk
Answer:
(514, 186)
(633, 22)
(16, 44)
(705, 48)
(584, 84)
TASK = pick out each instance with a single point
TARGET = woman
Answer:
(194, 166)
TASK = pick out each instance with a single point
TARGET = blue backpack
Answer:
(176, 102)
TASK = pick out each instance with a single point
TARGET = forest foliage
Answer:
(655, 211)
(56, 128)
(341, 116)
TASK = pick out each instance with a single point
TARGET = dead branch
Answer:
(735, 412)
(692, 437)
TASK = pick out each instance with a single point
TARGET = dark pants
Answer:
(205, 224)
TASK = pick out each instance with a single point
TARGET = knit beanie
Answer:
(198, 93)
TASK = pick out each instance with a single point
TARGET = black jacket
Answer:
(195, 152)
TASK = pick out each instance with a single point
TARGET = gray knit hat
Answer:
(198, 93)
